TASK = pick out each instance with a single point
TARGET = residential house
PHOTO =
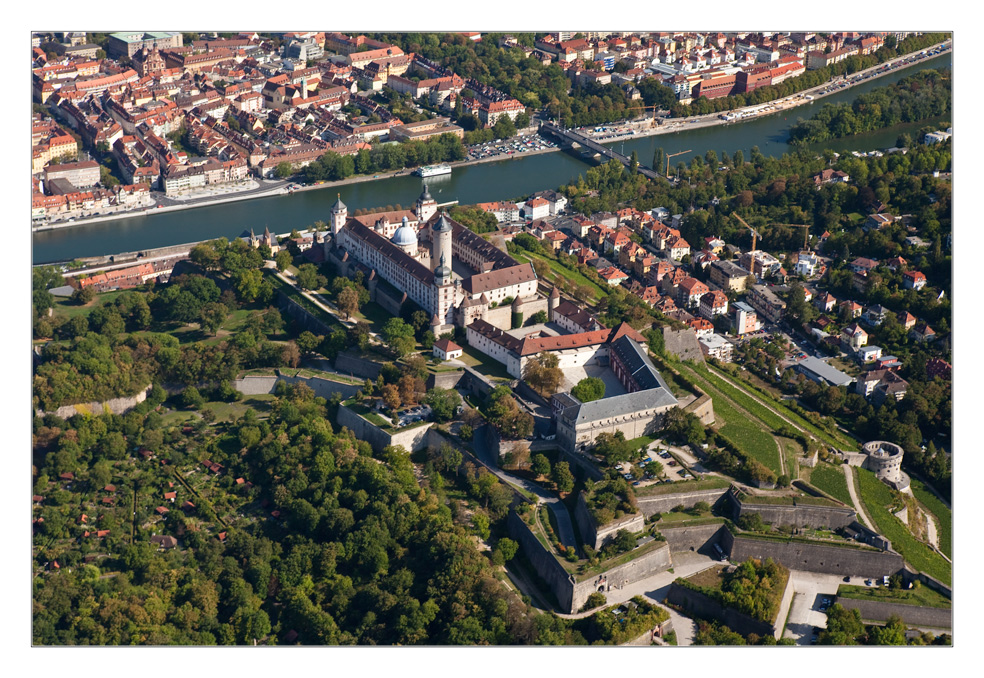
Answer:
(690, 291)
(850, 308)
(729, 276)
(913, 280)
(746, 319)
(863, 264)
(716, 346)
(881, 384)
(922, 333)
(876, 222)
(713, 304)
(765, 301)
(869, 354)
(875, 315)
(612, 276)
(937, 367)
(825, 302)
(854, 336)
(445, 349)
(702, 327)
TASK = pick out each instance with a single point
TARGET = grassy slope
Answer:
(944, 516)
(876, 497)
(831, 480)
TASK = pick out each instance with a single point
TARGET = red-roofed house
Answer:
(713, 304)
(702, 327)
(913, 280)
(937, 367)
(445, 349)
(690, 292)
(612, 276)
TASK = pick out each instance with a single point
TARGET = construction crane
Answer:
(668, 156)
(654, 120)
(755, 234)
(806, 233)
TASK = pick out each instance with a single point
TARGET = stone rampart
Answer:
(693, 538)
(114, 405)
(796, 555)
(796, 515)
(323, 388)
(412, 439)
(703, 409)
(595, 536)
(356, 366)
(304, 317)
(699, 604)
(444, 379)
(559, 581)
(663, 503)
(656, 561)
(912, 615)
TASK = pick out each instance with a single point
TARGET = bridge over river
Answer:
(571, 137)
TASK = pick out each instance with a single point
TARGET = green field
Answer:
(837, 439)
(742, 430)
(877, 496)
(923, 596)
(597, 290)
(944, 516)
(705, 483)
(831, 480)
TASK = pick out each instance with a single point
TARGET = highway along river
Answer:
(508, 179)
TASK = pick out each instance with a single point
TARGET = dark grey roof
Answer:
(824, 371)
(426, 194)
(629, 403)
(443, 224)
(339, 205)
(637, 364)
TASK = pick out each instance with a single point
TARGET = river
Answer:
(505, 180)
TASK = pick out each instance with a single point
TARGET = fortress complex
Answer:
(453, 274)
(884, 459)
(636, 413)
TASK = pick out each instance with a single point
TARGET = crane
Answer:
(670, 155)
(806, 233)
(755, 234)
(654, 120)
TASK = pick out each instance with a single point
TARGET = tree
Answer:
(391, 397)
(191, 398)
(541, 465)
(308, 277)
(507, 547)
(399, 336)
(543, 374)
(284, 170)
(444, 402)
(83, 295)
(844, 627)
(538, 318)
(348, 301)
(283, 259)
(588, 389)
(563, 477)
(504, 414)
(307, 341)
(212, 316)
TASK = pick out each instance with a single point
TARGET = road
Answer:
(858, 506)
(484, 450)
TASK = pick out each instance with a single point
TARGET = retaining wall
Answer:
(597, 537)
(664, 503)
(412, 439)
(323, 388)
(913, 615)
(703, 409)
(301, 315)
(694, 538)
(359, 367)
(840, 560)
(581, 465)
(701, 605)
(114, 405)
(654, 562)
(828, 517)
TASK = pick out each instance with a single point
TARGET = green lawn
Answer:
(374, 314)
(831, 480)
(484, 364)
(68, 309)
(923, 596)
(877, 496)
(836, 438)
(748, 434)
(705, 483)
(944, 516)
(570, 274)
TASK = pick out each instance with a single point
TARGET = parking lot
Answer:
(806, 614)
(506, 147)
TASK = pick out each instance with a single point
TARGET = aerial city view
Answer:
(474, 338)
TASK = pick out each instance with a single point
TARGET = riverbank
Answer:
(639, 129)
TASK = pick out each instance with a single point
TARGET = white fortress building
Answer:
(455, 275)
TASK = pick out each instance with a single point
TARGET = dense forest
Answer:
(918, 97)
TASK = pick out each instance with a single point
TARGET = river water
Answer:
(505, 180)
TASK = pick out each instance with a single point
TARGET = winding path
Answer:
(858, 506)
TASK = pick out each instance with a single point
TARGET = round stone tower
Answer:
(885, 459)
(441, 241)
(553, 303)
(339, 215)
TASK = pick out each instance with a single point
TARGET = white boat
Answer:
(432, 170)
